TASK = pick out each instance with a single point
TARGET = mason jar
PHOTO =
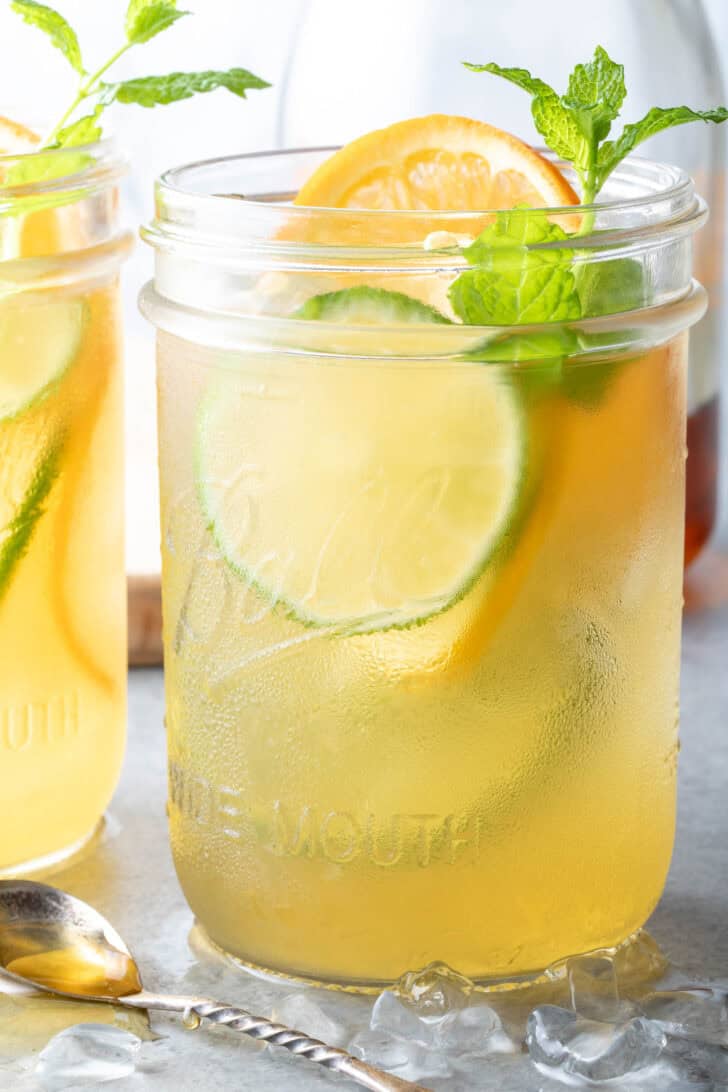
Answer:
(62, 579)
(421, 580)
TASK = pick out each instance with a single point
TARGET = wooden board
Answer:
(145, 620)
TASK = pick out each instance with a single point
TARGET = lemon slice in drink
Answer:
(361, 495)
(16, 139)
(38, 342)
(436, 163)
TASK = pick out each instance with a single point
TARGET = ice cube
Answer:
(316, 1014)
(435, 990)
(563, 1042)
(379, 1047)
(87, 1054)
(593, 988)
(397, 1017)
(406, 1058)
(475, 1030)
(640, 959)
(697, 1012)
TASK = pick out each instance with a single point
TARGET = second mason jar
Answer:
(422, 581)
(62, 579)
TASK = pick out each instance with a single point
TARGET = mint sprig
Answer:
(576, 125)
(513, 283)
(80, 123)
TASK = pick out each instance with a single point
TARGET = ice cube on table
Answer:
(569, 1045)
(475, 1030)
(593, 988)
(316, 1014)
(394, 1015)
(638, 960)
(694, 1012)
(87, 1054)
(435, 990)
(380, 1048)
(406, 1058)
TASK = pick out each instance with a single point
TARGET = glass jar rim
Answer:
(643, 202)
(84, 168)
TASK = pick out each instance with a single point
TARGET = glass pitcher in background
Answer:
(414, 68)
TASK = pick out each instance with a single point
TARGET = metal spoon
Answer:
(60, 945)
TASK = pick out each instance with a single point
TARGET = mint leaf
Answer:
(608, 287)
(658, 118)
(521, 77)
(55, 26)
(44, 167)
(595, 95)
(560, 130)
(147, 18)
(86, 130)
(513, 284)
(161, 90)
(52, 162)
(517, 348)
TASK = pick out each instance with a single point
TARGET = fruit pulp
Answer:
(493, 787)
(62, 581)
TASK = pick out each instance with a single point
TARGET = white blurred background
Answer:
(340, 68)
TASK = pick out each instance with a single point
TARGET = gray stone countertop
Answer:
(129, 876)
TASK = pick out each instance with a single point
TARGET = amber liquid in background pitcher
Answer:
(702, 477)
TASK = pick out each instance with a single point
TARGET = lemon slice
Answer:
(32, 231)
(361, 497)
(39, 340)
(437, 163)
(38, 343)
(16, 139)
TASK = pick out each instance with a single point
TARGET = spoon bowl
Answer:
(56, 943)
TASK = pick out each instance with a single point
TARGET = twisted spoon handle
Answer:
(298, 1043)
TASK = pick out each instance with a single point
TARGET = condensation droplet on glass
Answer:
(445, 240)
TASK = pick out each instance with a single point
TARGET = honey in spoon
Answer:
(84, 968)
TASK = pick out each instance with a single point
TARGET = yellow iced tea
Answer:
(492, 785)
(62, 584)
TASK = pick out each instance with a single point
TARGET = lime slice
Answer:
(38, 342)
(364, 305)
(360, 495)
